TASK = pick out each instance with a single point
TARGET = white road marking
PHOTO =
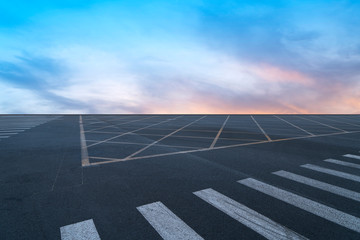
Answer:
(167, 120)
(116, 125)
(323, 124)
(155, 142)
(7, 133)
(356, 125)
(294, 125)
(332, 172)
(85, 230)
(328, 213)
(4, 136)
(84, 151)
(166, 223)
(347, 164)
(183, 136)
(14, 128)
(113, 160)
(320, 185)
(218, 134)
(250, 218)
(352, 156)
(145, 144)
(262, 130)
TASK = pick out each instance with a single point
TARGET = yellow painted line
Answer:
(262, 130)
(218, 134)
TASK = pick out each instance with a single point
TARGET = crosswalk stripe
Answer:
(250, 218)
(352, 156)
(85, 230)
(328, 213)
(332, 172)
(320, 185)
(347, 164)
(4, 136)
(166, 223)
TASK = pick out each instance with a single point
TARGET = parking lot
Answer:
(180, 177)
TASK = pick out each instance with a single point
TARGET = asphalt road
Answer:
(180, 177)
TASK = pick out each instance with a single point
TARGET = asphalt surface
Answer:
(180, 177)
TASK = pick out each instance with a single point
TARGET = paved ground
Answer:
(180, 177)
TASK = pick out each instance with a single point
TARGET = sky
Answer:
(180, 56)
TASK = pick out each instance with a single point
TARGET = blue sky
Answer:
(179, 56)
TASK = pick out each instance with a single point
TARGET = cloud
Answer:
(181, 57)
(35, 76)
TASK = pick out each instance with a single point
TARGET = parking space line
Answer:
(250, 218)
(352, 156)
(323, 211)
(262, 130)
(157, 141)
(320, 185)
(218, 134)
(6, 131)
(144, 144)
(167, 120)
(347, 164)
(166, 223)
(294, 125)
(322, 124)
(194, 130)
(98, 120)
(85, 230)
(185, 136)
(84, 151)
(116, 125)
(113, 160)
(352, 124)
(332, 172)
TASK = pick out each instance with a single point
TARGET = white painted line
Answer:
(218, 134)
(250, 218)
(14, 129)
(145, 144)
(262, 130)
(84, 151)
(7, 133)
(294, 125)
(155, 142)
(352, 124)
(113, 160)
(4, 136)
(328, 213)
(332, 172)
(108, 139)
(320, 185)
(85, 230)
(183, 136)
(326, 125)
(116, 125)
(92, 123)
(352, 156)
(166, 223)
(347, 164)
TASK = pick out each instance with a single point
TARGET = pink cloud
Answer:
(272, 73)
